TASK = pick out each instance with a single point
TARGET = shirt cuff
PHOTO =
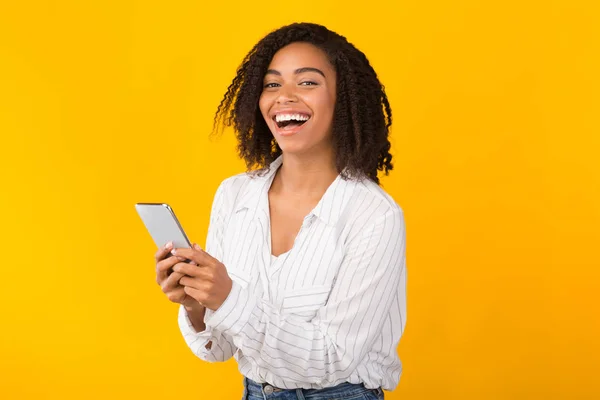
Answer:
(195, 340)
(230, 317)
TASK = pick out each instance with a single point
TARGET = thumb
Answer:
(197, 246)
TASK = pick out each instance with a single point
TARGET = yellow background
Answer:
(495, 142)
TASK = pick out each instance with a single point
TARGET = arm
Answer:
(205, 342)
(328, 348)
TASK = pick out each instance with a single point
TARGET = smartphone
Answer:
(163, 225)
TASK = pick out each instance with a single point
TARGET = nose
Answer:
(287, 94)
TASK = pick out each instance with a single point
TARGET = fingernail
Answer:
(197, 246)
(169, 245)
(173, 251)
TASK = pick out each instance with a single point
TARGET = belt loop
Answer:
(299, 394)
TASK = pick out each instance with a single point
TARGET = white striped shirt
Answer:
(330, 310)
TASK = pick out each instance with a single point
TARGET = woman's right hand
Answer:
(169, 282)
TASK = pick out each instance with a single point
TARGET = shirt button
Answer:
(268, 389)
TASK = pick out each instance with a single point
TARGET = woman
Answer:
(303, 278)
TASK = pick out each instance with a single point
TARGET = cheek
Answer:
(326, 106)
(328, 109)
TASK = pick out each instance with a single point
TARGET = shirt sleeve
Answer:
(222, 347)
(327, 349)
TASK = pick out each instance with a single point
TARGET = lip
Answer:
(289, 132)
(289, 111)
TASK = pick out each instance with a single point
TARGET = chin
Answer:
(301, 148)
(299, 143)
(293, 148)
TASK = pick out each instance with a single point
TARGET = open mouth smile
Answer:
(290, 121)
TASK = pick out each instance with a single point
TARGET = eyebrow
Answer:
(298, 71)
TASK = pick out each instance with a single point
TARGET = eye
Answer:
(271, 85)
(308, 83)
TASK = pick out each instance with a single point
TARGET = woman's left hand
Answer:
(207, 282)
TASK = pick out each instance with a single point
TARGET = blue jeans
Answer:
(344, 391)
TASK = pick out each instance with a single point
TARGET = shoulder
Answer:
(233, 183)
(372, 205)
(231, 189)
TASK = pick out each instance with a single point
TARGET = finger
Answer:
(190, 254)
(171, 282)
(168, 263)
(194, 293)
(163, 267)
(199, 256)
(191, 282)
(176, 295)
(187, 269)
(163, 251)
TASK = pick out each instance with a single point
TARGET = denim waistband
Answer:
(343, 390)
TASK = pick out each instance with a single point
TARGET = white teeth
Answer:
(289, 117)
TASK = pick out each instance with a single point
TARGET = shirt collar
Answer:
(328, 209)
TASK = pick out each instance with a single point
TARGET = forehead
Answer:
(300, 55)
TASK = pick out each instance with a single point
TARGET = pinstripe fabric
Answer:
(330, 310)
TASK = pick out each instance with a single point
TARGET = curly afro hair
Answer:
(362, 113)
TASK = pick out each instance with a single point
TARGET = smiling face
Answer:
(298, 98)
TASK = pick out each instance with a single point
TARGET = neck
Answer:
(305, 174)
